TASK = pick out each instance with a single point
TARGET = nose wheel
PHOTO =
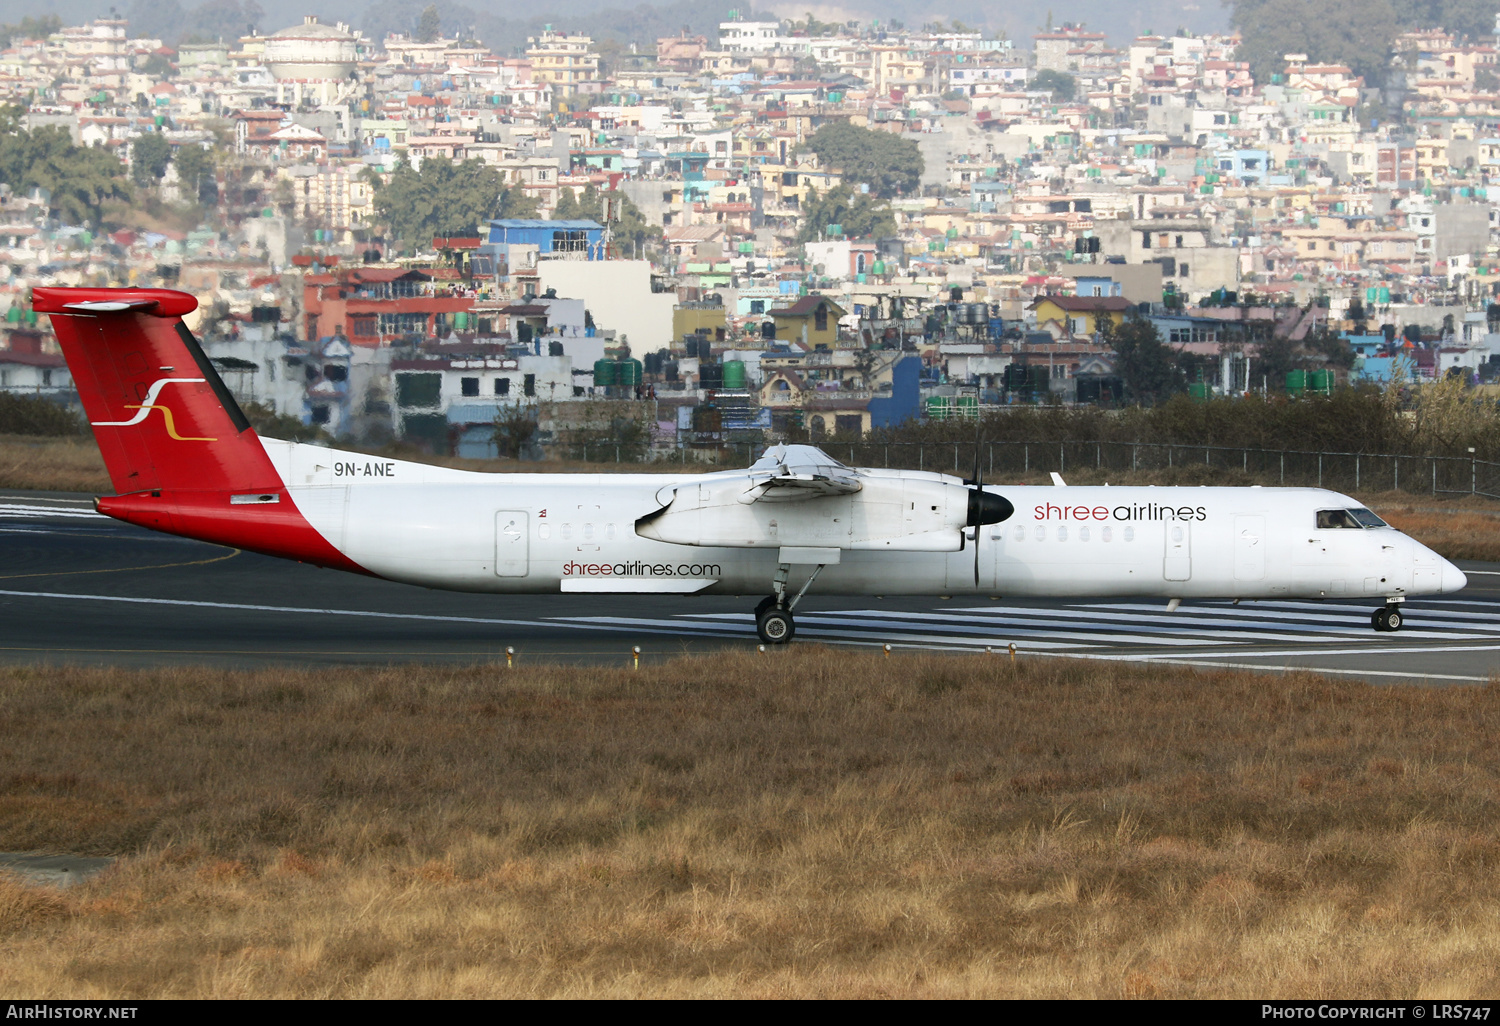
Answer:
(1388, 619)
(774, 625)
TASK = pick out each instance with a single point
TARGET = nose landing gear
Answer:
(1387, 619)
(773, 616)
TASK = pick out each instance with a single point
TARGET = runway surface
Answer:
(80, 588)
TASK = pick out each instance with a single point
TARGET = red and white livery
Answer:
(183, 459)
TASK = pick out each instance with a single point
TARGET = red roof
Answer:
(1086, 304)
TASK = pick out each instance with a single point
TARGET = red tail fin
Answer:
(177, 446)
(163, 418)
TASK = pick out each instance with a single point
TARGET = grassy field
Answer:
(810, 823)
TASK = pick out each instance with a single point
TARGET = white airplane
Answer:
(183, 459)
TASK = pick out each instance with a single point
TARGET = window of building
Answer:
(468, 386)
(502, 386)
(529, 385)
(820, 318)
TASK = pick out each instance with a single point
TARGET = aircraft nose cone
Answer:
(1453, 578)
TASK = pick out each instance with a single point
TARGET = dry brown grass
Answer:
(52, 465)
(810, 823)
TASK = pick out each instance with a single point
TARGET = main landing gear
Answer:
(1387, 619)
(773, 616)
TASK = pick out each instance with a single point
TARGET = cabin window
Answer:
(609, 533)
(1106, 534)
(1083, 534)
(1020, 534)
(1041, 533)
(1062, 534)
(1176, 534)
(544, 531)
(1130, 534)
(566, 532)
(588, 532)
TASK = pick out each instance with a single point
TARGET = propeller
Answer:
(984, 507)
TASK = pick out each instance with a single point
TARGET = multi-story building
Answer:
(568, 62)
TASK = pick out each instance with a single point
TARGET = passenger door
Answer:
(1178, 562)
(512, 543)
(1249, 548)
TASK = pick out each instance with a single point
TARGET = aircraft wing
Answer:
(791, 473)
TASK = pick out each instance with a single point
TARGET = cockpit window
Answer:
(1351, 519)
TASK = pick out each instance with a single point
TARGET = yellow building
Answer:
(1078, 316)
(565, 61)
(811, 320)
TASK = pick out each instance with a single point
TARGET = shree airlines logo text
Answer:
(1149, 511)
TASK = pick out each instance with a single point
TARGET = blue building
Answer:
(905, 401)
(1246, 165)
(582, 239)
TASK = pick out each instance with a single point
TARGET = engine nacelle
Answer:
(920, 513)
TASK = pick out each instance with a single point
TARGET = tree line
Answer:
(1357, 33)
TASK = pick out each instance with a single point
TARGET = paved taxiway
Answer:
(76, 587)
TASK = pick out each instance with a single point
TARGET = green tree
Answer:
(1062, 86)
(430, 26)
(887, 163)
(442, 199)
(30, 28)
(157, 66)
(514, 428)
(1148, 366)
(196, 170)
(1357, 33)
(630, 231)
(149, 156)
(860, 214)
(81, 179)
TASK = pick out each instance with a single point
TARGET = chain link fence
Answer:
(1340, 471)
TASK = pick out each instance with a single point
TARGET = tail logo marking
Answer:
(150, 404)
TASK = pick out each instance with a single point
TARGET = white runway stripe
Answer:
(821, 625)
(16, 510)
(1201, 626)
(1226, 617)
(876, 619)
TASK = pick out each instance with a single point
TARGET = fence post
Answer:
(1026, 456)
(921, 456)
(1283, 468)
(1098, 455)
(955, 457)
(1434, 475)
(1245, 460)
(1169, 457)
(992, 459)
(1134, 451)
(1395, 473)
(1320, 470)
(1061, 465)
(887, 457)
(1473, 475)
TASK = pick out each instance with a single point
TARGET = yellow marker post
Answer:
(510, 656)
(636, 653)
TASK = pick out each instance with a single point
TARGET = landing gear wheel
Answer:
(775, 626)
(763, 605)
(1388, 619)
